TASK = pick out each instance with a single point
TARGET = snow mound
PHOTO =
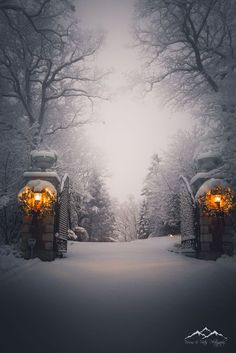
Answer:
(209, 185)
(43, 159)
(71, 235)
(10, 258)
(39, 185)
(226, 259)
(45, 154)
(206, 155)
(202, 176)
(37, 175)
(81, 233)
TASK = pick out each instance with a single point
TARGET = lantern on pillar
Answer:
(38, 197)
(215, 197)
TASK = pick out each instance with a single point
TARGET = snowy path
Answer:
(117, 298)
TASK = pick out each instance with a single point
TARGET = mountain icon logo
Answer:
(206, 336)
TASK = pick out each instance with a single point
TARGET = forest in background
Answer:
(49, 83)
(189, 48)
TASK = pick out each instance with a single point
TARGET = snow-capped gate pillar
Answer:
(39, 200)
(215, 201)
(206, 203)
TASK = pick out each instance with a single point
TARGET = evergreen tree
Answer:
(161, 214)
(151, 192)
(99, 222)
(143, 222)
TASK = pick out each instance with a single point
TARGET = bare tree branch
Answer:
(41, 66)
(71, 124)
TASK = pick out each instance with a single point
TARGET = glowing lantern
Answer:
(215, 196)
(217, 199)
(38, 196)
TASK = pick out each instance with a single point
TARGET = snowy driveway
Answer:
(117, 298)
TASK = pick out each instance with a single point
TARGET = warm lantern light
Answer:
(218, 199)
(38, 196)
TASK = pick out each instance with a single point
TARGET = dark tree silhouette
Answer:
(44, 61)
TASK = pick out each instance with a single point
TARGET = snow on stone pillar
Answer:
(206, 205)
(38, 199)
(215, 201)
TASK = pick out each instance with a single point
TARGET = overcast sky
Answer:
(134, 127)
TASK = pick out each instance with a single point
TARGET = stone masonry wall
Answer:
(42, 230)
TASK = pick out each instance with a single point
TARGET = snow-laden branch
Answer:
(71, 124)
(39, 71)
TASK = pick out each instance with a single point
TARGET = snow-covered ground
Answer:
(135, 297)
(12, 263)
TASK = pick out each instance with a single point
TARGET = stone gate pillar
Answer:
(39, 202)
(207, 207)
(215, 202)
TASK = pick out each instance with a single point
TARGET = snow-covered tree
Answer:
(190, 49)
(126, 216)
(99, 219)
(90, 202)
(14, 152)
(152, 193)
(45, 62)
(160, 212)
(48, 84)
(143, 227)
